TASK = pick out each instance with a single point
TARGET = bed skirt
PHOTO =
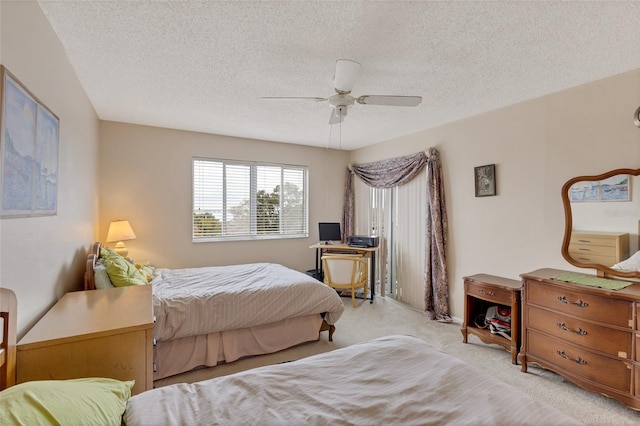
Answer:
(180, 355)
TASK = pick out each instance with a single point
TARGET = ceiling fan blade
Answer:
(346, 74)
(336, 116)
(389, 100)
(285, 98)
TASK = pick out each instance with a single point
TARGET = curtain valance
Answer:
(392, 172)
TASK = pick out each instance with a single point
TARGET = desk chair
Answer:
(346, 272)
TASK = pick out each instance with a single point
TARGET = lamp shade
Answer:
(120, 230)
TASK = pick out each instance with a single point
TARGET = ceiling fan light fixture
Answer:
(345, 76)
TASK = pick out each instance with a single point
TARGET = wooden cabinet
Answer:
(587, 334)
(98, 333)
(605, 248)
(482, 291)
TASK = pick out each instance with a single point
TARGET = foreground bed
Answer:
(391, 380)
(205, 316)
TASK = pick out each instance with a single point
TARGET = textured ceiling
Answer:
(204, 66)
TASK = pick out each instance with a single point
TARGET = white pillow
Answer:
(631, 264)
(100, 276)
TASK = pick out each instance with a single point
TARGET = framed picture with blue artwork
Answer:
(29, 141)
(615, 188)
(584, 191)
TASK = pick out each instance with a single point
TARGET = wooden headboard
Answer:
(8, 310)
(89, 275)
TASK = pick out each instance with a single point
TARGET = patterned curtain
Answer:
(398, 171)
(436, 298)
(348, 206)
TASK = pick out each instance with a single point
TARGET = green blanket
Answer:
(575, 278)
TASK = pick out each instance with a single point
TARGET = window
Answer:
(235, 200)
(397, 216)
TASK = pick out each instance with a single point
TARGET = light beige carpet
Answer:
(386, 316)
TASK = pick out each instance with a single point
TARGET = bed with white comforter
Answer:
(196, 301)
(209, 315)
(390, 380)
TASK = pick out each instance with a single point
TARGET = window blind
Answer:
(248, 200)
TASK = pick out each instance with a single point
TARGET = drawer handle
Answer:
(565, 356)
(579, 303)
(564, 327)
(489, 293)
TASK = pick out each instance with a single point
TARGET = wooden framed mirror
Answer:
(602, 223)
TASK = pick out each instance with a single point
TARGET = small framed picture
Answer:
(485, 179)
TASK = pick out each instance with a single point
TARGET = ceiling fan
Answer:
(343, 81)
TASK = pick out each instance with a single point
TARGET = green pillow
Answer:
(94, 401)
(123, 273)
(106, 252)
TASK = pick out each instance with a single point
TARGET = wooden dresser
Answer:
(98, 333)
(587, 334)
(606, 248)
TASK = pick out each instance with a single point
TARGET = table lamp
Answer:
(119, 231)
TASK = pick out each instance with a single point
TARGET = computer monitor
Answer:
(329, 231)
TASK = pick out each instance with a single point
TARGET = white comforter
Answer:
(194, 301)
(391, 380)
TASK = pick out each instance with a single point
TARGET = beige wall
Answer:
(145, 178)
(537, 146)
(41, 258)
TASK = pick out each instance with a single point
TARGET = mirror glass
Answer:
(602, 222)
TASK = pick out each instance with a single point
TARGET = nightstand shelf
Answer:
(97, 333)
(482, 291)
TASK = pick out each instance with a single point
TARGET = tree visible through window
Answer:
(240, 200)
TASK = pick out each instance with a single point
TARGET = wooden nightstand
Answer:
(97, 333)
(482, 291)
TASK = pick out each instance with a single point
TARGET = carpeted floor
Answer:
(386, 317)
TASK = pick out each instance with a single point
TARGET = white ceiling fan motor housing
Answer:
(340, 103)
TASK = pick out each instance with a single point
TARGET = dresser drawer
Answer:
(585, 305)
(588, 257)
(588, 239)
(489, 292)
(614, 342)
(610, 372)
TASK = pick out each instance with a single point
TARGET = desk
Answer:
(369, 252)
